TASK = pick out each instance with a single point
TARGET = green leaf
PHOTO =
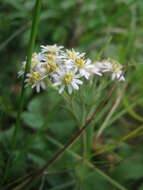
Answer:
(129, 170)
(33, 120)
(95, 181)
(34, 117)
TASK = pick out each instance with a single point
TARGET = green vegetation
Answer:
(109, 155)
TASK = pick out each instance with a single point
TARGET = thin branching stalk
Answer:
(109, 115)
(87, 163)
(126, 137)
(27, 67)
(75, 137)
(79, 133)
(117, 143)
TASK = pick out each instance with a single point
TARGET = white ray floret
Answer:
(51, 49)
(36, 80)
(112, 66)
(67, 78)
(84, 66)
(35, 62)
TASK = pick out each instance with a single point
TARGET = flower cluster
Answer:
(65, 69)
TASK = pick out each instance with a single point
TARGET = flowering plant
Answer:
(66, 69)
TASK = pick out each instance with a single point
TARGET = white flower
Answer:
(21, 72)
(104, 66)
(67, 78)
(118, 75)
(50, 63)
(52, 49)
(66, 68)
(77, 60)
(111, 66)
(36, 80)
(72, 54)
(35, 61)
(51, 58)
(86, 68)
(117, 72)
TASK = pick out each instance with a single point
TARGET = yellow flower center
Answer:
(116, 67)
(68, 78)
(36, 76)
(52, 50)
(52, 67)
(34, 60)
(79, 62)
(71, 54)
(49, 57)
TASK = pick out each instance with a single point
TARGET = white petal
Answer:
(43, 86)
(96, 71)
(75, 86)
(26, 80)
(61, 89)
(77, 76)
(122, 78)
(33, 86)
(57, 83)
(69, 89)
(113, 76)
(78, 81)
(38, 88)
(28, 74)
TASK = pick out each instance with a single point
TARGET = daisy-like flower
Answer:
(84, 66)
(72, 54)
(35, 61)
(67, 78)
(104, 66)
(66, 69)
(48, 68)
(21, 72)
(36, 80)
(51, 49)
(51, 58)
(112, 66)
(117, 72)
(50, 64)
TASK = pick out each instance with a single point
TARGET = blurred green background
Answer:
(102, 28)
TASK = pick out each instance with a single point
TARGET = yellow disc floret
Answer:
(49, 68)
(71, 54)
(52, 50)
(52, 67)
(34, 60)
(49, 57)
(80, 62)
(35, 77)
(116, 67)
(68, 78)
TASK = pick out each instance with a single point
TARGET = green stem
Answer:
(27, 68)
(88, 163)
(74, 138)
